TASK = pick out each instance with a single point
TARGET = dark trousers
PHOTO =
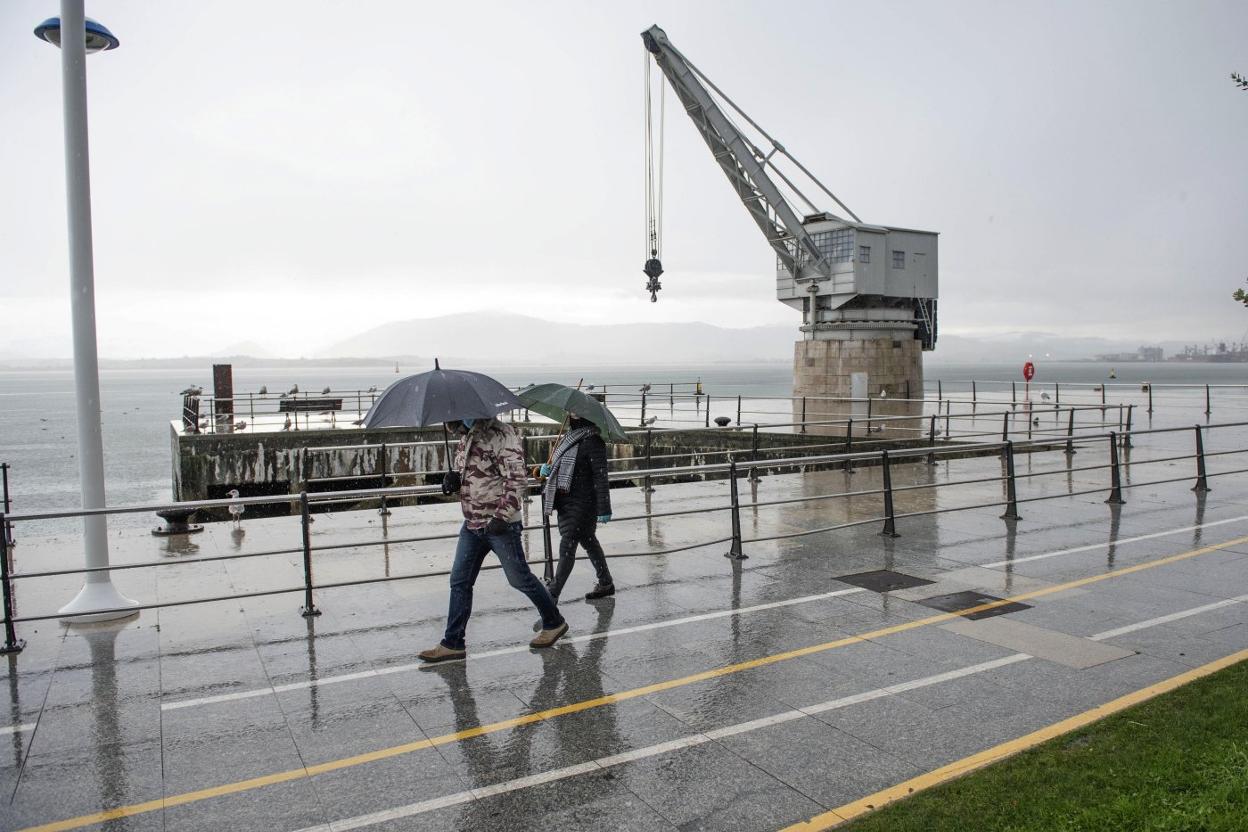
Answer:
(470, 552)
(578, 525)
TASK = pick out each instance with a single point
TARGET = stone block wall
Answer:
(894, 368)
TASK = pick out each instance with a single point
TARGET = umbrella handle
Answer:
(446, 443)
(562, 428)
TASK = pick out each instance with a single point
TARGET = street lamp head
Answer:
(99, 38)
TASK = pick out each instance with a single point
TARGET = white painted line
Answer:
(1166, 619)
(16, 729)
(504, 651)
(601, 763)
(1108, 543)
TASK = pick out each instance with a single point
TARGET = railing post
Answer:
(12, 644)
(1150, 397)
(671, 395)
(974, 393)
(548, 569)
(1013, 393)
(708, 410)
(8, 502)
(1005, 427)
(948, 412)
(1115, 475)
(646, 487)
(1208, 408)
(1126, 437)
(890, 523)
(1057, 392)
(754, 443)
(384, 511)
(940, 393)
(931, 440)
(803, 414)
(1070, 433)
(643, 408)
(308, 609)
(738, 409)
(1202, 479)
(1011, 492)
(734, 550)
(868, 413)
(849, 445)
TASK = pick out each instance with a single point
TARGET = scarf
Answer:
(562, 464)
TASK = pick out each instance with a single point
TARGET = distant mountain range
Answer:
(498, 339)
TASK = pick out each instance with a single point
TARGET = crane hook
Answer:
(653, 269)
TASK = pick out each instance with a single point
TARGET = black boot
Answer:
(600, 591)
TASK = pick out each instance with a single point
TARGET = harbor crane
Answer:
(867, 293)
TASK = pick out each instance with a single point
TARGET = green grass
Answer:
(1177, 762)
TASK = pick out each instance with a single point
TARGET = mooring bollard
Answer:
(12, 644)
(1011, 492)
(803, 414)
(931, 441)
(1115, 475)
(384, 511)
(1070, 433)
(308, 609)
(849, 445)
(734, 550)
(890, 521)
(1202, 478)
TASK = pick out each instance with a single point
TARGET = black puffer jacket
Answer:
(589, 478)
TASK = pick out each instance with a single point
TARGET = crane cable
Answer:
(654, 184)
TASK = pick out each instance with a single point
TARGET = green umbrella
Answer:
(555, 400)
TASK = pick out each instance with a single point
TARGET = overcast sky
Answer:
(294, 173)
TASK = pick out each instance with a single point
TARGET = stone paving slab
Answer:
(1040, 642)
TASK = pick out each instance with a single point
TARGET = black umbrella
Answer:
(439, 396)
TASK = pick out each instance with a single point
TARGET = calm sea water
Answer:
(37, 409)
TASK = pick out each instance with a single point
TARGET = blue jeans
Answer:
(470, 552)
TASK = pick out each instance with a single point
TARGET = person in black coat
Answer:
(577, 489)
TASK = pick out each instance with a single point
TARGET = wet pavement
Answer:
(707, 694)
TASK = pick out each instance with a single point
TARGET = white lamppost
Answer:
(98, 593)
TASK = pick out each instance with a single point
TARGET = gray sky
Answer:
(294, 173)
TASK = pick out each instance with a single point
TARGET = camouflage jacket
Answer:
(490, 461)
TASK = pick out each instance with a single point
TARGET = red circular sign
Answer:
(1029, 370)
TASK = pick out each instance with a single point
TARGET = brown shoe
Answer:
(441, 653)
(547, 638)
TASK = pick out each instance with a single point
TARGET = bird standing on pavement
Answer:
(236, 509)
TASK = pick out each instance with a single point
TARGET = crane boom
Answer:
(743, 163)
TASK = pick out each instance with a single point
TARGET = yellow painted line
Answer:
(871, 802)
(589, 704)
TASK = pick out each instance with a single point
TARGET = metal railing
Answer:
(1118, 443)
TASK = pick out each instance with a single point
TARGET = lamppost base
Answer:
(97, 601)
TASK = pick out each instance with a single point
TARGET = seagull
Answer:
(240, 425)
(193, 390)
(293, 390)
(1045, 396)
(287, 425)
(1036, 422)
(264, 390)
(325, 392)
(645, 388)
(650, 421)
(236, 509)
(875, 429)
(373, 389)
(883, 393)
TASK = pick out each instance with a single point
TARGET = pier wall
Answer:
(888, 370)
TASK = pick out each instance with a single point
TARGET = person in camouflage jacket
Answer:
(490, 477)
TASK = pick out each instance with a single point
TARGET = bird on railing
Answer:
(875, 429)
(264, 390)
(287, 425)
(333, 417)
(236, 509)
(373, 389)
(645, 388)
(293, 390)
(590, 387)
(325, 390)
(883, 393)
(240, 425)
(650, 421)
(1035, 422)
(193, 390)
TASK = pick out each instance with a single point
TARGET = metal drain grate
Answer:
(958, 601)
(883, 580)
